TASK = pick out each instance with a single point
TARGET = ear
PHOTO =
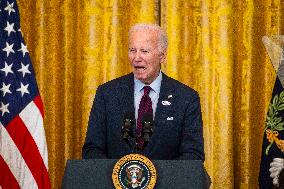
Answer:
(163, 56)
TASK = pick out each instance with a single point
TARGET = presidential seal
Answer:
(134, 171)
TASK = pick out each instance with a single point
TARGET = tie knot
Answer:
(147, 90)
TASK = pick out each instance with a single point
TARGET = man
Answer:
(176, 108)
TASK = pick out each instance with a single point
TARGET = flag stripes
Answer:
(15, 161)
(35, 127)
(23, 137)
(7, 177)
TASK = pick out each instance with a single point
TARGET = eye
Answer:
(145, 51)
(131, 50)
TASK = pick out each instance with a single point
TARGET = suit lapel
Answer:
(166, 93)
(167, 89)
(126, 94)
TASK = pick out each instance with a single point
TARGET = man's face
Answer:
(144, 56)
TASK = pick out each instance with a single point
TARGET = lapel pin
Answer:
(166, 103)
(170, 118)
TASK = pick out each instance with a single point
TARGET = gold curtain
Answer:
(214, 47)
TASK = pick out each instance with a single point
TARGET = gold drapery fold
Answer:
(214, 47)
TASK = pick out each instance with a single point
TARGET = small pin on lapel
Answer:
(166, 103)
(170, 118)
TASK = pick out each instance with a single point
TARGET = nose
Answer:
(137, 55)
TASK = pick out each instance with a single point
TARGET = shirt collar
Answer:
(155, 85)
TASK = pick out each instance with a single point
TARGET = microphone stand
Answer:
(135, 136)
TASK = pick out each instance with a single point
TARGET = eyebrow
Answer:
(142, 48)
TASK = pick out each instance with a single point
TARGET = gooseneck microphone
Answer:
(127, 127)
(147, 129)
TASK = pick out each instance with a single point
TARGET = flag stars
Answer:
(23, 89)
(9, 48)
(9, 8)
(10, 28)
(5, 89)
(4, 108)
(7, 69)
(24, 69)
(23, 49)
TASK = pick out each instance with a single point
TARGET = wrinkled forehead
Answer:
(143, 36)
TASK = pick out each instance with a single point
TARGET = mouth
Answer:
(139, 68)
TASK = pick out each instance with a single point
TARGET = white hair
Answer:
(162, 35)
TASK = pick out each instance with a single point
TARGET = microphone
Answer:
(127, 127)
(147, 129)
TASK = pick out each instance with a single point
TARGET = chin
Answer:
(140, 77)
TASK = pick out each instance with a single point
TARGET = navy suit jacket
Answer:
(178, 132)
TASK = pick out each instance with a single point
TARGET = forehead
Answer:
(143, 36)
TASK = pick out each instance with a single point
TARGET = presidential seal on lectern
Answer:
(134, 171)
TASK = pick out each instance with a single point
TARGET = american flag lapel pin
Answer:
(166, 103)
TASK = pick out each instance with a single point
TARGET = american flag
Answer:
(23, 149)
(273, 138)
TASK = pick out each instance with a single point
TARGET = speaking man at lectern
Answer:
(175, 131)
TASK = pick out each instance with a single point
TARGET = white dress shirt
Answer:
(154, 93)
